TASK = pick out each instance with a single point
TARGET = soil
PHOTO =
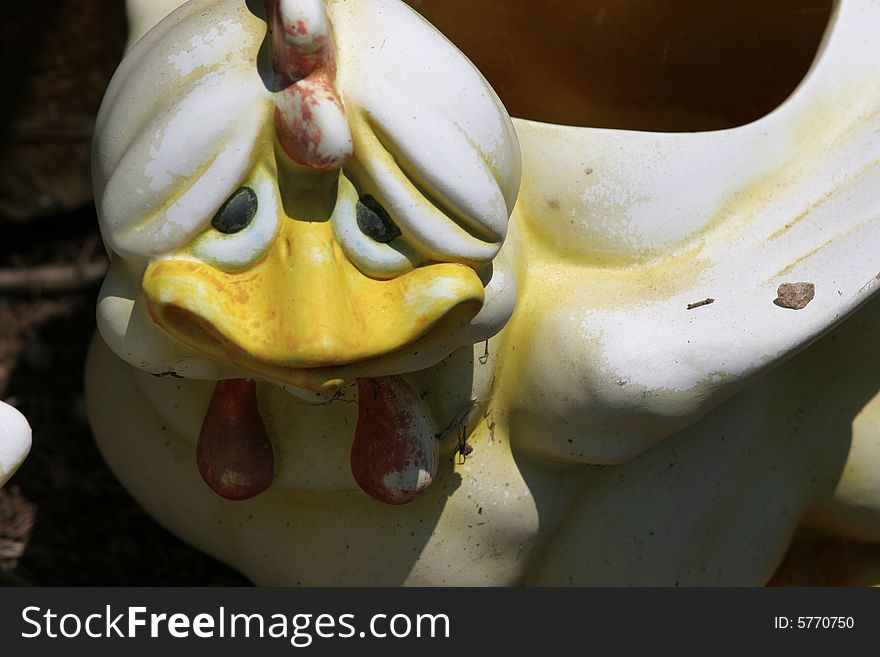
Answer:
(64, 519)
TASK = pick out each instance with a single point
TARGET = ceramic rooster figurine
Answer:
(340, 343)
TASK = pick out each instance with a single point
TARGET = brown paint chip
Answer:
(795, 295)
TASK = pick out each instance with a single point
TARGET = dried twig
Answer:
(49, 279)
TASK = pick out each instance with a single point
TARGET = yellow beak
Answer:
(305, 306)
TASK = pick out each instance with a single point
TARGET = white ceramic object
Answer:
(15, 441)
(657, 221)
(603, 451)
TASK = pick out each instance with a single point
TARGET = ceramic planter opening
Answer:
(666, 66)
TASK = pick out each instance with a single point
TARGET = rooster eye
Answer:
(237, 212)
(374, 221)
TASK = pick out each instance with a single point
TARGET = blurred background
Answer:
(637, 64)
(64, 519)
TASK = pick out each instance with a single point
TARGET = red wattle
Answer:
(394, 454)
(234, 454)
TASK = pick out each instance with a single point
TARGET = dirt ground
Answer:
(64, 519)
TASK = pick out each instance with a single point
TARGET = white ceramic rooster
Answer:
(310, 366)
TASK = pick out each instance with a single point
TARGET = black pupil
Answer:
(374, 221)
(237, 212)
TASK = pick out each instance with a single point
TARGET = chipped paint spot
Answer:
(228, 44)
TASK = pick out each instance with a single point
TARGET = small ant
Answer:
(464, 448)
(460, 424)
